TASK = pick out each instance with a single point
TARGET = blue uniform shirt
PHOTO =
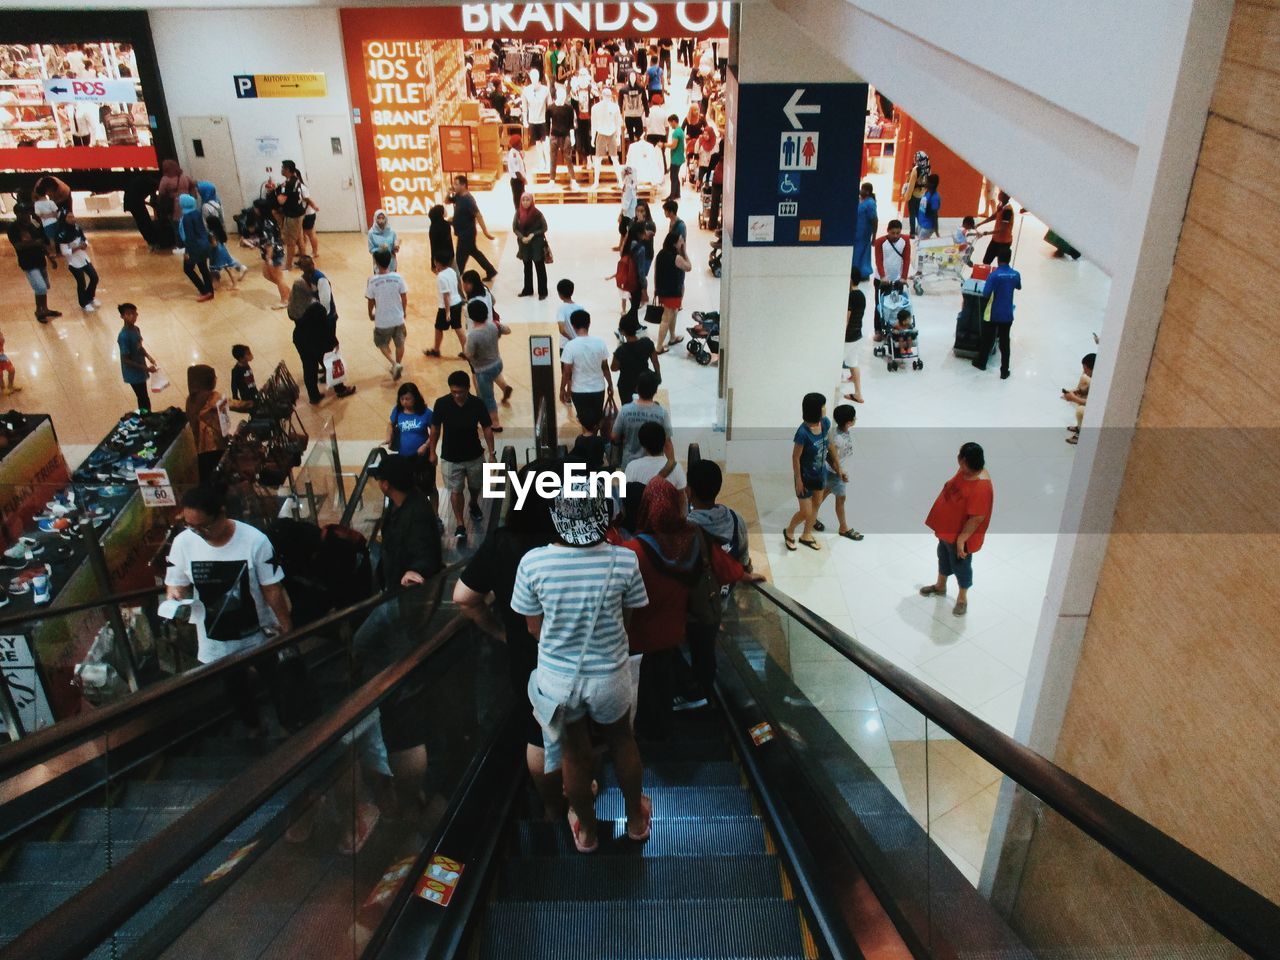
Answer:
(1000, 286)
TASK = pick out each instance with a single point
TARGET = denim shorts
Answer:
(559, 700)
(950, 564)
(835, 486)
(39, 280)
(484, 385)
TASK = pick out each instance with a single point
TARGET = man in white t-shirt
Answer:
(229, 569)
(566, 310)
(584, 369)
(606, 126)
(653, 438)
(449, 312)
(388, 298)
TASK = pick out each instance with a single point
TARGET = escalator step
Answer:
(235, 747)
(671, 878)
(618, 930)
(680, 802)
(167, 793)
(681, 748)
(204, 768)
(684, 773)
(37, 862)
(105, 951)
(711, 837)
(97, 823)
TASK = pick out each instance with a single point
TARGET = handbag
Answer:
(608, 416)
(547, 255)
(653, 313)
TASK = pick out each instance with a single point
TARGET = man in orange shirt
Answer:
(1002, 232)
(959, 518)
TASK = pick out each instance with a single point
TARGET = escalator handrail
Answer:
(73, 929)
(1231, 907)
(47, 613)
(45, 744)
(357, 491)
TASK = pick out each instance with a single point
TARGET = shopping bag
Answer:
(334, 369)
(653, 313)
(224, 417)
(158, 381)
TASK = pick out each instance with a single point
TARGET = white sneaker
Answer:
(396, 370)
(96, 302)
(278, 306)
(89, 308)
(241, 270)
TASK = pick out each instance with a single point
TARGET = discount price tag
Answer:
(156, 489)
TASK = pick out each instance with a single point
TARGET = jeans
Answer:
(38, 277)
(86, 283)
(529, 266)
(466, 249)
(990, 333)
(191, 263)
(561, 150)
(144, 398)
(949, 563)
(675, 180)
(484, 385)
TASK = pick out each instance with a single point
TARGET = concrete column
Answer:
(783, 307)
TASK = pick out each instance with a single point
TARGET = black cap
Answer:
(396, 470)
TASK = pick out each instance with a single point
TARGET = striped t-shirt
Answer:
(567, 585)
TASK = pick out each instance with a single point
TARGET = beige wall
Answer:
(1175, 707)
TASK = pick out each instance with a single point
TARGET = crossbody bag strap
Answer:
(595, 618)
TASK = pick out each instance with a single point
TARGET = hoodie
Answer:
(725, 526)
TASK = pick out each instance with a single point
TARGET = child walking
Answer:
(842, 443)
(244, 389)
(75, 250)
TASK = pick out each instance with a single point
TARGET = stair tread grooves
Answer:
(549, 879)
(672, 838)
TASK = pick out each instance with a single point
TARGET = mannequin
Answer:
(580, 91)
(560, 120)
(533, 100)
(606, 121)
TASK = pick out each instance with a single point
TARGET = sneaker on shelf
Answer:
(680, 704)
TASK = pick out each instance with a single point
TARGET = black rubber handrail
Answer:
(43, 744)
(73, 929)
(357, 491)
(1232, 908)
(46, 613)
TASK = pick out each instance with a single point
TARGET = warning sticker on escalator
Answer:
(761, 733)
(390, 881)
(439, 880)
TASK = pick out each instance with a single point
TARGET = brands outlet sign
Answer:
(592, 18)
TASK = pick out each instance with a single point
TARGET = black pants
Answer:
(561, 152)
(713, 215)
(206, 463)
(913, 207)
(991, 332)
(635, 129)
(582, 137)
(466, 250)
(191, 264)
(701, 638)
(86, 283)
(146, 226)
(995, 249)
(311, 372)
(144, 398)
(529, 266)
(240, 692)
(517, 190)
(675, 180)
(588, 405)
(653, 699)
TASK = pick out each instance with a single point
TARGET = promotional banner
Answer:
(73, 106)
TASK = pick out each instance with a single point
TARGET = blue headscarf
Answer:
(191, 228)
(207, 192)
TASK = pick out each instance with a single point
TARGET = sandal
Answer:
(507, 392)
(575, 825)
(643, 835)
(1073, 439)
(496, 429)
(932, 591)
(675, 341)
(811, 544)
(788, 540)
(819, 525)
(431, 353)
(366, 820)
(851, 534)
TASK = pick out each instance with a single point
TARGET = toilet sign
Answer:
(798, 160)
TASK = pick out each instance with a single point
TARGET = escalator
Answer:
(792, 819)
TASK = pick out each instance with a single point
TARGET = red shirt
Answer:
(602, 61)
(1002, 231)
(959, 500)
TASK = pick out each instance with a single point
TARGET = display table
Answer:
(32, 469)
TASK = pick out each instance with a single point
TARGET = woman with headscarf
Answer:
(530, 228)
(915, 187)
(194, 236)
(865, 227)
(205, 411)
(673, 555)
(220, 257)
(440, 235)
(173, 184)
(382, 237)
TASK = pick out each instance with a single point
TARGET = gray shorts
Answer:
(606, 146)
(470, 472)
(384, 335)
(559, 700)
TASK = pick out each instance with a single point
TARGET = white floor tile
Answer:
(971, 672)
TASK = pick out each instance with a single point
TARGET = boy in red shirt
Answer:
(959, 518)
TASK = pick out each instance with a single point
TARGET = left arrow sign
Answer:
(793, 108)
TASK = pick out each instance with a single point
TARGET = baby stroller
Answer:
(704, 211)
(714, 259)
(704, 336)
(895, 347)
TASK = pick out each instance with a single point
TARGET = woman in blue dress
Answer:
(865, 226)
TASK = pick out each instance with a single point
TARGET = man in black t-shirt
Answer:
(460, 417)
(31, 245)
(466, 217)
(853, 335)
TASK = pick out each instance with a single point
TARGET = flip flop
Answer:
(819, 525)
(575, 825)
(811, 544)
(643, 835)
(851, 534)
(675, 341)
(787, 539)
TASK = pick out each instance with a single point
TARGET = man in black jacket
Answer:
(410, 539)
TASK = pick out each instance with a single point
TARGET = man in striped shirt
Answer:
(575, 595)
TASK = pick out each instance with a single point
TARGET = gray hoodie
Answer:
(726, 526)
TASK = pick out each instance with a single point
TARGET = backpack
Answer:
(705, 604)
(627, 275)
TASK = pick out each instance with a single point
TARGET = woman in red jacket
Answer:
(672, 554)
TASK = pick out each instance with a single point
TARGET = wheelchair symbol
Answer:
(787, 185)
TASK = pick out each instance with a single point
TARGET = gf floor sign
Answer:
(799, 160)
